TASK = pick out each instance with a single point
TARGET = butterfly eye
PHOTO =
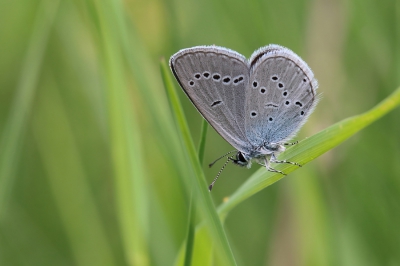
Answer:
(241, 158)
(280, 85)
(255, 84)
(274, 78)
(262, 90)
(197, 76)
(287, 102)
(206, 75)
(302, 113)
(285, 93)
(191, 83)
(253, 114)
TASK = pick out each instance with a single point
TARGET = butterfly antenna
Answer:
(220, 171)
(211, 164)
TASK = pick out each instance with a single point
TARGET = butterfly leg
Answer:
(290, 143)
(272, 169)
(274, 160)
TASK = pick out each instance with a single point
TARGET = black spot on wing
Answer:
(216, 103)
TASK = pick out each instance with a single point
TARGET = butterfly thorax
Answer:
(270, 148)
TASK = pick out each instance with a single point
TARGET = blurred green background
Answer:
(92, 171)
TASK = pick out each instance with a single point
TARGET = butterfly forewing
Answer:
(215, 78)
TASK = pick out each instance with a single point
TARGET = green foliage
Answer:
(97, 161)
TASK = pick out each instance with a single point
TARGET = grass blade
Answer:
(190, 236)
(65, 170)
(129, 174)
(309, 149)
(202, 142)
(203, 195)
(13, 134)
(192, 211)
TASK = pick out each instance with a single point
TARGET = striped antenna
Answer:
(220, 171)
(211, 164)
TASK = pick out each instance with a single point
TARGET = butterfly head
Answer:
(242, 159)
(258, 155)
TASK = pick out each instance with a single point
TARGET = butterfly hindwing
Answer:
(280, 96)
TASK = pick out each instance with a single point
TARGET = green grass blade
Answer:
(190, 235)
(203, 195)
(309, 149)
(13, 134)
(129, 174)
(65, 170)
(202, 142)
(192, 211)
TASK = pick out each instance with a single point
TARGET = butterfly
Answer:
(256, 105)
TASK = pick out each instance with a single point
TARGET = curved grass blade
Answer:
(192, 211)
(309, 149)
(203, 196)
